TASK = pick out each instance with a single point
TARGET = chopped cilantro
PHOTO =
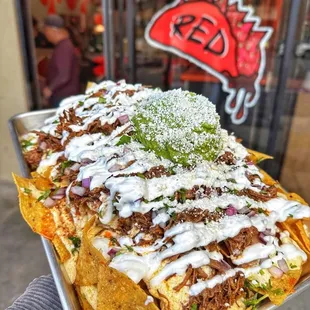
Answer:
(129, 248)
(166, 206)
(27, 190)
(264, 192)
(157, 199)
(56, 121)
(232, 181)
(293, 266)
(291, 215)
(278, 291)
(173, 216)
(123, 140)
(141, 175)
(194, 307)
(262, 272)
(171, 171)
(218, 209)
(81, 103)
(26, 143)
(113, 240)
(245, 166)
(182, 191)
(260, 210)
(254, 301)
(248, 204)
(76, 243)
(233, 191)
(44, 195)
(102, 100)
(65, 164)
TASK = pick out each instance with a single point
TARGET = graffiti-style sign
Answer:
(224, 38)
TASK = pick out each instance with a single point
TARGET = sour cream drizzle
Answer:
(129, 194)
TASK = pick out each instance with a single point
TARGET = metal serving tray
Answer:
(19, 125)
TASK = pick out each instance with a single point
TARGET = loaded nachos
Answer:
(150, 204)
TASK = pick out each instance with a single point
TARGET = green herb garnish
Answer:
(27, 190)
(218, 209)
(113, 240)
(56, 121)
(44, 195)
(262, 272)
(293, 266)
(65, 164)
(129, 248)
(182, 191)
(81, 103)
(102, 100)
(278, 291)
(194, 307)
(76, 243)
(26, 143)
(291, 215)
(123, 140)
(254, 301)
(141, 175)
(232, 181)
(260, 210)
(173, 216)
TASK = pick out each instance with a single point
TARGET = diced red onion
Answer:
(123, 119)
(115, 167)
(57, 197)
(267, 232)
(43, 145)
(283, 265)
(112, 252)
(231, 210)
(275, 272)
(86, 161)
(49, 202)
(250, 163)
(60, 191)
(244, 210)
(86, 182)
(256, 185)
(261, 238)
(75, 167)
(67, 171)
(252, 213)
(78, 190)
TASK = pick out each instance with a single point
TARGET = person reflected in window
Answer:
(63, 70)
(39, 38)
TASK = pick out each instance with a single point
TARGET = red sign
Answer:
(222, 37)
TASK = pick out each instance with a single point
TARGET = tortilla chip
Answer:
(257, 157)
(281, 288)
(291, 226)
(40, 182)
(61, 249)
(38, 217)
(294, 196)
(87, 294)
(88, 261)
(267, 179)
(116, 291)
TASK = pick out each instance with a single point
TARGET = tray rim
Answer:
(67, 296)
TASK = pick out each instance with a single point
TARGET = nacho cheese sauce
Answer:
(119, 167)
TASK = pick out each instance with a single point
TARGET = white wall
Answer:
(13, 97)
